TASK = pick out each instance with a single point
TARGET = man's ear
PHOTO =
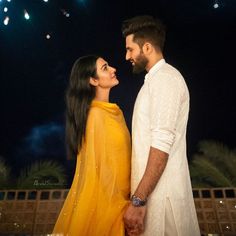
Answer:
(93, 81)
(147, 48)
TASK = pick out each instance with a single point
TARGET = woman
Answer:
(98, 136)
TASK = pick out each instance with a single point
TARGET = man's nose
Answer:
(127, 56)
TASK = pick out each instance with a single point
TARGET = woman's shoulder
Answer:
(96, 112)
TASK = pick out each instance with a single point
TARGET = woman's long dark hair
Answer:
(79, 96)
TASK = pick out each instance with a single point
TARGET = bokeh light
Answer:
(6, 20)
(26, 15)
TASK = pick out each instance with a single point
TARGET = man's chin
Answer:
(138, 70)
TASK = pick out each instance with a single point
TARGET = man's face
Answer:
(135, 55)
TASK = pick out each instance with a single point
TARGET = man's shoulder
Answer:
(170, 71)
(169, 76)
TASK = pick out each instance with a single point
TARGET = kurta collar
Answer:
(155, 68)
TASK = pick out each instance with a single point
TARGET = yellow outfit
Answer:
(100, 190)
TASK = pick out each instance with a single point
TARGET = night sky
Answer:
(34, 70)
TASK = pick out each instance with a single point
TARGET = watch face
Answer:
(135, 202)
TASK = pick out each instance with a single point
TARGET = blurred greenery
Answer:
(46, 174)
(214, 165)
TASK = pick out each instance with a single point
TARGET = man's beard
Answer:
(140, 64)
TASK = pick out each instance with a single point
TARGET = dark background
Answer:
(34, 71)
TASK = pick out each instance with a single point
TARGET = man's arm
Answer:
(134, 216)
(155, 166)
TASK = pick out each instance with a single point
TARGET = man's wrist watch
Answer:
(137, 202)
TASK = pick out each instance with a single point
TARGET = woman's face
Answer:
(106, 75)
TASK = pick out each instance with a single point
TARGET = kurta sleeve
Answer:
(166, 94)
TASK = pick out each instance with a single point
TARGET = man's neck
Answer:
(153, 60)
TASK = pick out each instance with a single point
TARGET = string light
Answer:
(216, 4)
(6, 20)
(26, 15)
(65, 13)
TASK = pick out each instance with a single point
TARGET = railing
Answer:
(30, 212)
(34, 212)
(216, 210)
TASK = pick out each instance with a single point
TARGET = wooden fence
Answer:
(34, 212)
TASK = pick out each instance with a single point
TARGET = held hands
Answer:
(134, 219)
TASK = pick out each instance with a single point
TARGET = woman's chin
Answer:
(116, 83)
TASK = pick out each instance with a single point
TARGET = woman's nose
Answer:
(113, 69)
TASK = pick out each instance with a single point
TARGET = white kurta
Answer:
(159, 120)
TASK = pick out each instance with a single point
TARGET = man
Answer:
(162, 201)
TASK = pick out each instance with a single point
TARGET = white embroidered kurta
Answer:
(159, 120)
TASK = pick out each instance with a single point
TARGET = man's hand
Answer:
(134, 219)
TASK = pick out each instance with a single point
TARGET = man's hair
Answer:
(145, 29)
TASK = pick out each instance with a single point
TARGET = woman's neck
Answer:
(102, 96)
